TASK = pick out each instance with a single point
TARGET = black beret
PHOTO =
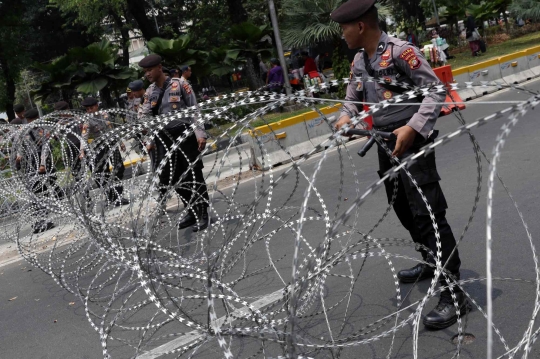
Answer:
(61, 106)
(135, 85)
(31, 114)
(184, 68)
(17, 121)
(89, 101)
(18, 108)
(351, 10)
(150, 61)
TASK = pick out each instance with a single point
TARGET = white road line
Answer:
(196, 335)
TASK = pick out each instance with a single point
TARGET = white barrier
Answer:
(515, 70)
(465, 93)
(287, 140)
(533, 58)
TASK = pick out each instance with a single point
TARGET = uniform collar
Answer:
(383, 43)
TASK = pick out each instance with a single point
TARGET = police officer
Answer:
(391, 59)
(186, 85)
(93, 127)
(19, 112)
(167, 95)
(135, 92)
(71, 143)
(33, 158)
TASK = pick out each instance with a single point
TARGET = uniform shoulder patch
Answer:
(187, 88)
(175, 85)
(409, 56)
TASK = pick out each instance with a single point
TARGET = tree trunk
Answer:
(253, 79)
(237, 12)
(505, 16)
(106, 97)
(124, 33)
(10, 88)
(147, 26)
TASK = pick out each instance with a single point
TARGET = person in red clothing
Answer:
(309, 63)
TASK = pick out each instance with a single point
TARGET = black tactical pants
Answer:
(72, 160)
(43, 185)
(192, 187)
(103, 175)
(411, 209)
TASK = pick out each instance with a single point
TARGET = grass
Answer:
(510, 46)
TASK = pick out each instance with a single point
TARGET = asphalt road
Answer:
(31, 302)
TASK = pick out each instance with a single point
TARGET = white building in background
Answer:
(137, 47)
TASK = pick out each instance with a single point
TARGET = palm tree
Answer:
(307, 22)
(247, 40)
(526, 9)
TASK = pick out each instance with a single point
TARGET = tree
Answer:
(12, 31)
(307, 22)
(526, 9)
(178, 52)
(237, 12)
(88, 70)
(31, 31)
(409, 12)
(247, 40)
(139, 10)
(97, 15)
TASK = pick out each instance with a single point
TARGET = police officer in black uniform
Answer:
(93, 127)
(167, 95)
(33, 155)
(396, 60)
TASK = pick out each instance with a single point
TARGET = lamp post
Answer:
(436, 13)
(279, 46)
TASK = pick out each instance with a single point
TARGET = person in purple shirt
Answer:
(275, 77)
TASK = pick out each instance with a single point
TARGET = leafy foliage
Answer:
(88, 70)
(178, 52)
(526, 9)
(307, 22)
(342, 69)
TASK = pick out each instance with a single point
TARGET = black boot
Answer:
(202, 218)
(445, 314)
(188, 220)
(115, 197)
(42, 226)
(121, 202)
(418, 272)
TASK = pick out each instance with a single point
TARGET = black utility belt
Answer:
(393, 126)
